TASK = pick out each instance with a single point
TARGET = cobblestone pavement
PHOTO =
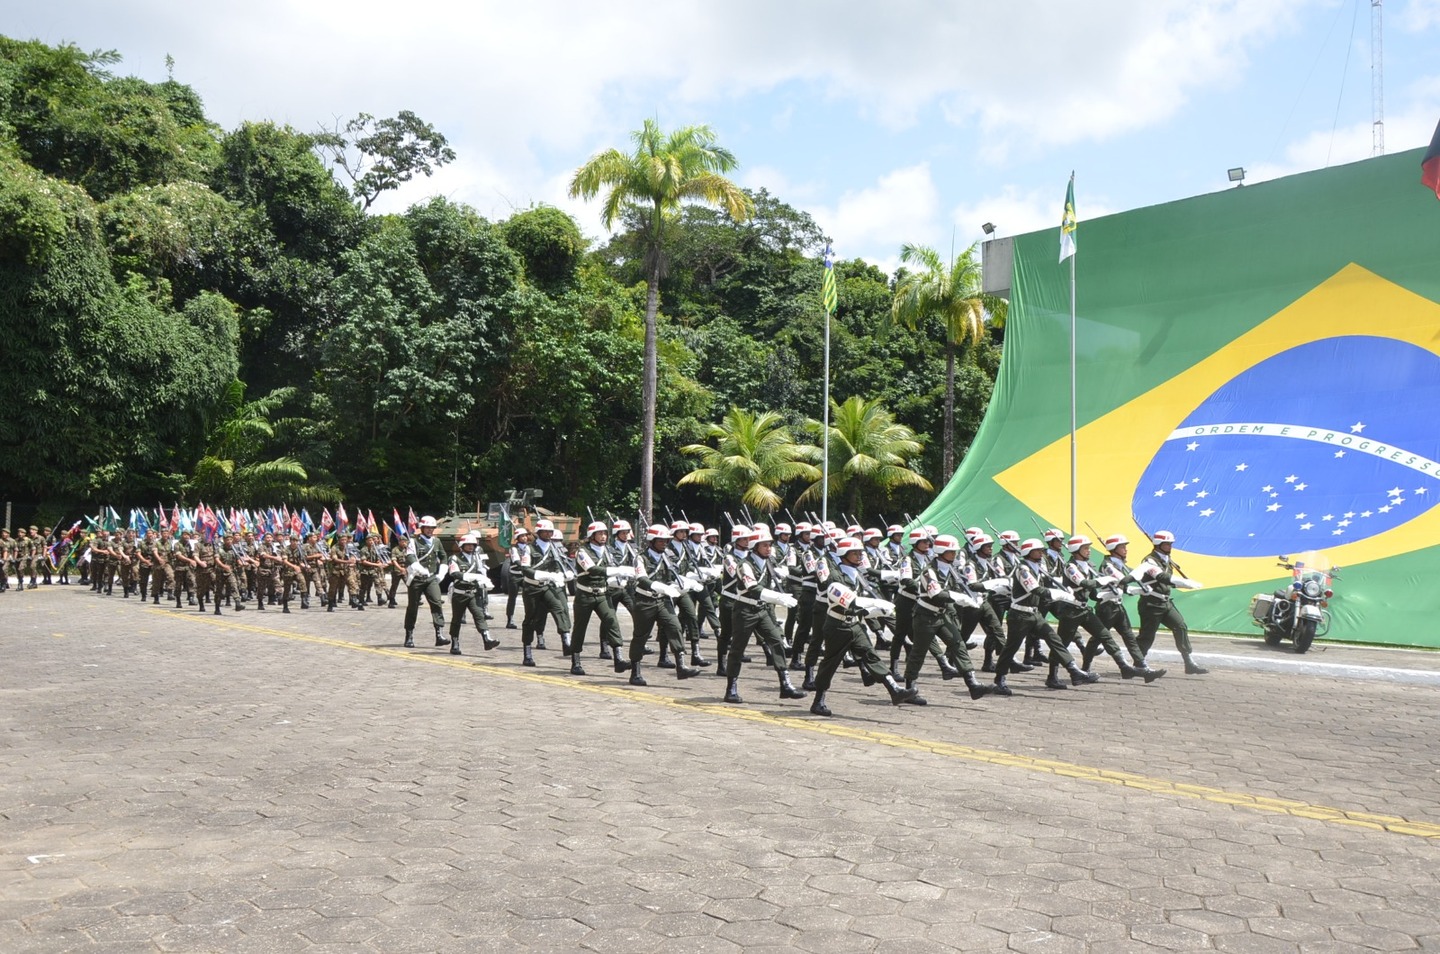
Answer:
(172, 781)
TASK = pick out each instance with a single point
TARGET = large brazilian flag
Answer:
(1259, 373)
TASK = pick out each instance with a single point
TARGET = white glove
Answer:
(665, 589)
(550, 577)
(1061, 595)
(479, 579)
(780, 572)
(779, 599)
(613, 571)
(709, 573)
(890, 576)
(415, 574)
(1133, 589)
(964, 599)
(875, 607)
(1187, 584)
(691, 584)
(444, 572)
(997, 586)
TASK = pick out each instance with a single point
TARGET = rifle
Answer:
(729, 519)
(750, 519)
(1098, 535)
(992, 528)
(1037, 525)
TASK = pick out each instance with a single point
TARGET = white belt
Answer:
(842, 617)
(592, 590)
(746, 600)
(924, 605)
(811, 584)
(1016, 608)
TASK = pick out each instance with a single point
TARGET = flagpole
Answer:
(1073, 508)
(825, 442)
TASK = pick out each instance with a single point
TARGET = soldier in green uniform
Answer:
(756, 593)
(203, 570)
(99, 560)
(942, 586)
(424, 562)
(848, 599)
(225, 571)
(1030, 588)
(469, 579)
(1081, 578)
(7, 559)
(657, 585)
(543, 568)
(186, 568)
(290, 563)
(1159, 575)
(40, 544)
(313, 574)
(370, 565)
(595, 570)
(162, 575)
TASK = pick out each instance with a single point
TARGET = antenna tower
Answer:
(1377, 79)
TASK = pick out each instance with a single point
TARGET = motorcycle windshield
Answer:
(1312, 566)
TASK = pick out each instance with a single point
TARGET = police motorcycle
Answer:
(1300, 611)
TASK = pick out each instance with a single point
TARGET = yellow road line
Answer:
(1085, 773)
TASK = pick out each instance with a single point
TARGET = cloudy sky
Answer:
(902, 121)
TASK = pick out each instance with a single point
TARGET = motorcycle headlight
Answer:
(1312, 589)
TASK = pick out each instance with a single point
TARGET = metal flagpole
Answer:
(825, 442)
(1073, 507)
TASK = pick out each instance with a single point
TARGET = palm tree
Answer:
(869, 451)
(233, 470)
(755, 455)
(951, 294)
(664, 171)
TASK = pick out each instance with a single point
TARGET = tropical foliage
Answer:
(870, 455)
(156, 270)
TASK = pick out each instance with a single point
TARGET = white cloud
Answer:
(1417, 16)
(1409, 127)
(873, 222)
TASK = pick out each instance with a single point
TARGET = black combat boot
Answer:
(697, 660)
(732, 690)
(683, 671)
(635, 678)
(1127, 671)
(1053, 680)
(565, 644)
(575, 668)
(1151, 674)
(409, 639)
(440, 638)
(949, 670)
(898, 693)
(486, 641)
(818, 707)
(529, 659)
(809, 684)
(787, 691)
(605, 652)
(915, 698)
(665, 662)
(621, 665)
(977, 689)
(1194, 669)
(455, 644)
(1080, 677)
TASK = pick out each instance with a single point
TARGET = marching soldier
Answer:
(543, 569)
(1159, 575)
(756, 593)
(908, 592)
(596, 572)
(849, 598)
(204, 556)
(1030, 596)
(469, 579)
(226, 570)
(994, 582)
(657, 585)
(1080, 578)
(1116, 582)
(371, 564)
(341, 567)
(941, 586)
(313, 569)
(730, 563)
(518, 556)
(425, 566)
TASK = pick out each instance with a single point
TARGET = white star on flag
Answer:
(1266, 489)
(1385, 509)
(1181, 486)
(1339, 453)
(1273, 507)
(1420, 490)
(1357, 427)
(1291, 479)
(1397, 501)
(1328, 516)
(1306, 526)
(1337, 533)
(1191, 446)
(1206, 512)
(1193, 503)
(1301, 516)
(1349, 515)
(1365, 513)
(1159, 493)
(1301, 486)
(1394, 491)
(1241, 466)
(1343, 523)
(1202, 495)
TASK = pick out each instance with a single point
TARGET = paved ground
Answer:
(170, 781)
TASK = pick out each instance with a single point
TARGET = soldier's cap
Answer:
(621, 525)
(782, 529)
(471, 539)
(980, 541)
(918, 534)
(1010, 537)
(597, 527)
(1162, 536)
(893, 529)
(1031, 546)
(34, 529)
(658, 531)
(1076, 543)
(945, 543)
(680, 526)
(1118, 540)
(872, 533)
(848, 545)
(1054, 534)
(542, 525)
(712, 532)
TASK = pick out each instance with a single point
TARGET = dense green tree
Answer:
(380, 155)
(663, 172)
(237, 468)
(549, 243)
(754, 456)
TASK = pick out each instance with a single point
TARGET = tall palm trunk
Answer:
(651, 387)
(947, 462)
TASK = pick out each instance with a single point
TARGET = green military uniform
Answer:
(203, 571)
(594, 570)
(341, 568)
(225, 574)
(656, 587)
(1030, 599)
(186, 572)
(757, 590)
(544, 569)
(469, 581)
(1082, 579)
(422, 561)
(847, 600)
(943, 586)
(371, 566)
(162, 574)
(1157, 605)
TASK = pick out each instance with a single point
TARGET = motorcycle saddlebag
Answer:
(1260, 605)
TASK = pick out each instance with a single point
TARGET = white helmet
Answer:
(933, 530)
(470, 539)
(1031, 546)
(679, 525)
(972, 532)
(697, 529)
(873, 533)
(946, 544)
(619, 525)
(739, 532)
(981, 540)
(1162, 536)
(854, 529)
(893, 529)
(658, 531)
(918, 534)
(848, 545)
(781, 528)
(597, 526)
(712, 532)
(760, 534)
(542, 525)
(428, 522)
(1119, 540)
(1054, 534)
(1009, 538)
(802, 527)
(1077, 542)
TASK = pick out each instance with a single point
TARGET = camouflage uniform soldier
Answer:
(203, 571)
(145, 563)
(226, 570)
(371, 565)
(7, 559)
(162, 575)
(265, 571)
(186, 568)
(341, 567)
(292, 571)
(42, 552)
